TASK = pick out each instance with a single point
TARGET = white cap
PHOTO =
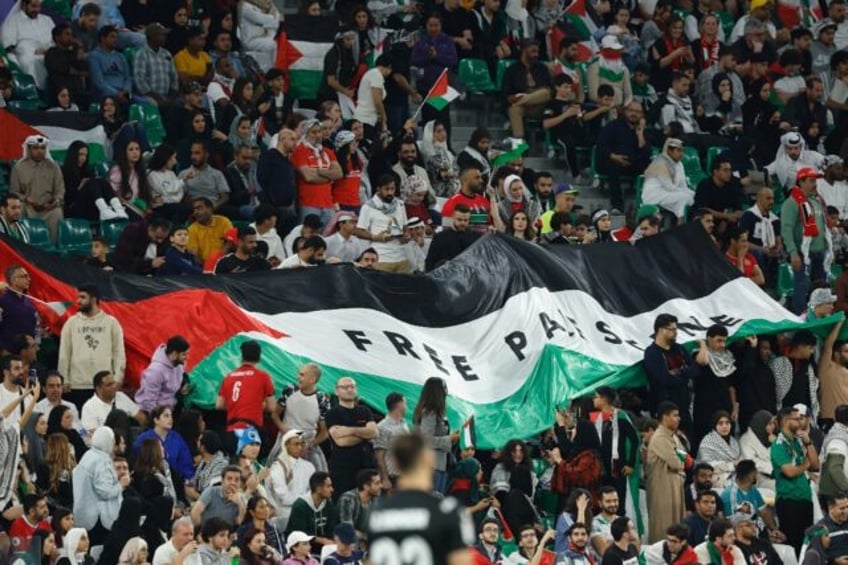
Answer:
(290, 434)
(345, 218)
(611, 42)
(296, 538)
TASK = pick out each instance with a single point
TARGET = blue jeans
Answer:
(440, 481)
(812, 271)
(131, 39)
(326, 214)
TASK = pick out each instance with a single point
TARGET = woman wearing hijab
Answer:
(665, 181)
(756, 392)
(474, 156)
(61, 421)
(35, 432)
(134, 552)
(714, 388)
(726, 110)
(755, 445)
(466, 488)
(97, 490)
(720, 449)
(516, 198)
(438, 159)
(75, 548)
(258, 21)
(761, 122)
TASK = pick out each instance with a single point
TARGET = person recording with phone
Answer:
(15, 392)
(574, 455)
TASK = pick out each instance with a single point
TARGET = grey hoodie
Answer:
(208, 556)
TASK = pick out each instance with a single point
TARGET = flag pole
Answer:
(429, 92)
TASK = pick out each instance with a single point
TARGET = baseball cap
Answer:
(823, 25)
(295, 538)
(247, 436)
(155, 29)
(231, 235)
(192, 87)
(759, 4)
(346, 534)
(611, 42)
(807, 173)
(674, 142)
(802, 408)
(565, 188)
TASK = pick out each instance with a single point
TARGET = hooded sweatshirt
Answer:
(160, 382)
(312, 520)
(97, 492)
(81, 357)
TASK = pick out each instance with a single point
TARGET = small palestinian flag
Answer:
(442, 93)
(60, 128)
(507, 151)
(468, 435)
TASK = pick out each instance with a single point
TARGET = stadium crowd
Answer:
(730, 114)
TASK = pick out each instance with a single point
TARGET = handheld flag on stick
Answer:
(468, 435)
(440, 95)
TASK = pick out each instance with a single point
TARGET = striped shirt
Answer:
(154, 72)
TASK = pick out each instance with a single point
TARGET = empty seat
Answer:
(111, 231)
(39, 235)
(74, 237)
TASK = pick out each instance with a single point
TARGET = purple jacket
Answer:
(432, 68)
(160, 382)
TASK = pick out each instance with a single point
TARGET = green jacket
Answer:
(312, 521)
(792, 229)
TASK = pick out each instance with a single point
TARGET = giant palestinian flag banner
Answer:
(301, 49)
(515, 329)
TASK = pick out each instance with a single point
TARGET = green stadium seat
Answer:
(24, 87)
(25, 104)
(59, 7)
(111, 231)
(503, 65)
(640, 184)
(39, 235)
(712, 153)
(129, 55)
(101, 170)
(150, 119)
(475, 74)
(74, 237)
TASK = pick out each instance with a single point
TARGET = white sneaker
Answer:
(118, 208)
(106, 212)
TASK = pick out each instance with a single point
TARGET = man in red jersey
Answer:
(246, 394)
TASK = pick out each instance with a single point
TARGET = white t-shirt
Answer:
(294, 262)
(366, 111)
(94, 411)
(165, 554)
(375, 221)
(6, 398)
(44, 407)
